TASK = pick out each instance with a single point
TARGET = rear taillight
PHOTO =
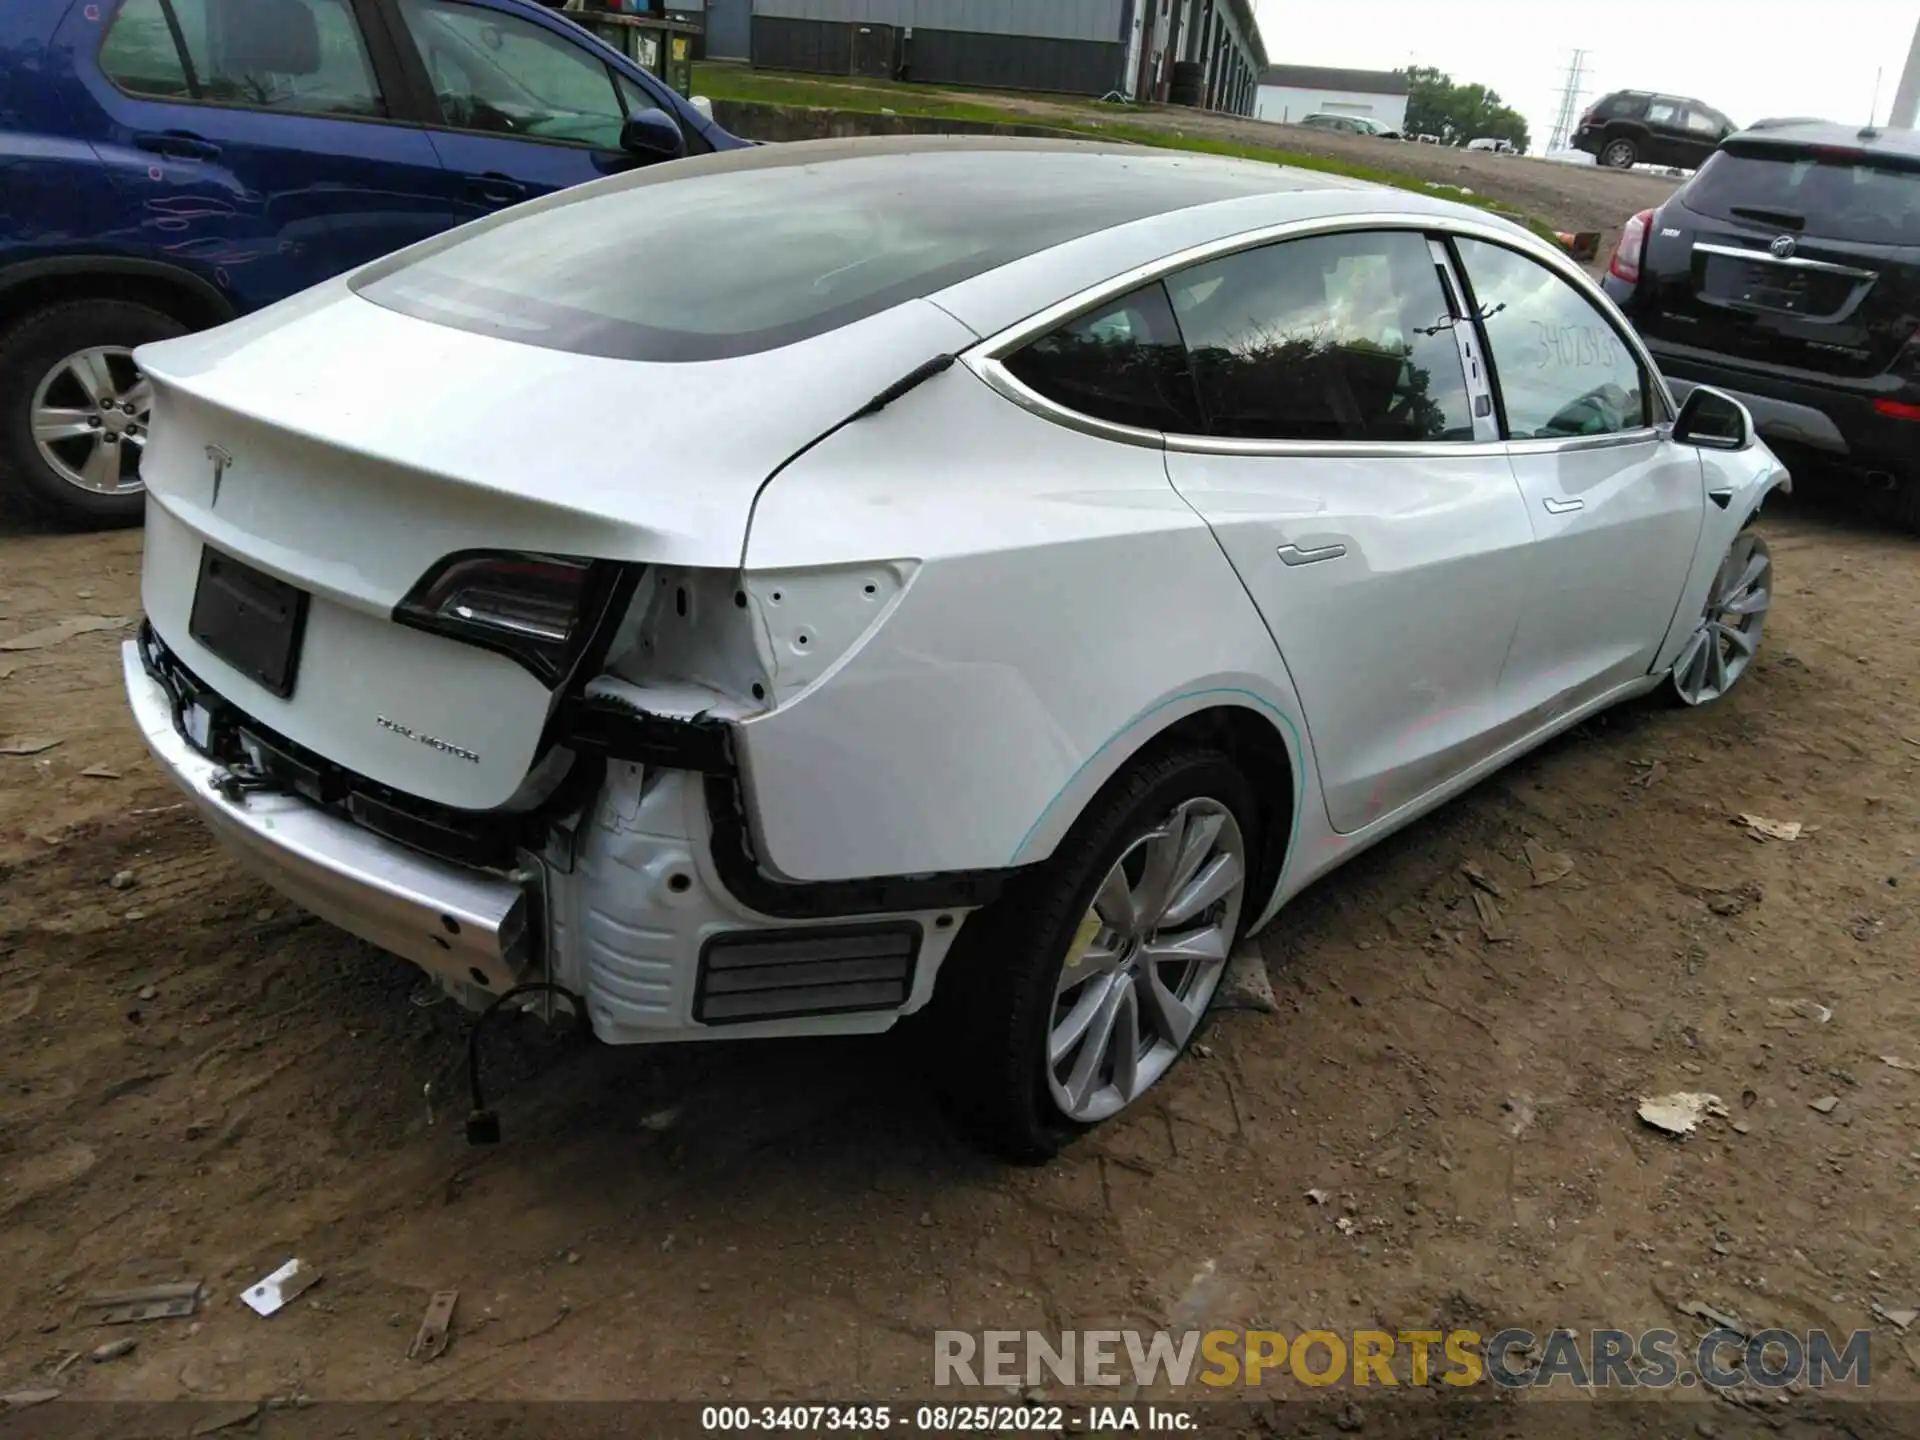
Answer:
(1897, 409)
(532, 608)
(1632, 249)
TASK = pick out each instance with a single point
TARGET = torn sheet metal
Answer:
(148, 1302)
(436, 1330)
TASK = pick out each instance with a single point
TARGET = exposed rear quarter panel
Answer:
(1067, 607)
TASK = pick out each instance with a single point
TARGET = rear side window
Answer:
(301, 56)
(1335, 337)
(139, 54)
(1836, 197)
(1123, 362)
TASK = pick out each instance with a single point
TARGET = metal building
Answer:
(1205, 52)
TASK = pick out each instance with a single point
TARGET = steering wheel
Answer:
(469, 112)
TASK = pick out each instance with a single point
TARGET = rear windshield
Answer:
(747, 254)
(1836, 197)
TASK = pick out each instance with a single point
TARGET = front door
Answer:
(1616, 507)
(523, 109)
(1371, 514)
(254, 138)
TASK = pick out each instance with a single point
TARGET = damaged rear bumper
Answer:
(466, 925)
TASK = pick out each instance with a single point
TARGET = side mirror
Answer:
(1713, 420)
(652, 135)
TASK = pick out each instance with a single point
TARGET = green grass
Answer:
(1088, 118)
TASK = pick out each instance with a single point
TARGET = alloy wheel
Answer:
(1620, 155)
(1724, 644)
(1146, 960)
(89, 415)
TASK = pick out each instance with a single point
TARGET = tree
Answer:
(1459, 113)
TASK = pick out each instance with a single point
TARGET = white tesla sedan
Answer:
(771, 593)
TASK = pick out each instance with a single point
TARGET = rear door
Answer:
(1780, 255)
(520, 107)
(1370, 512)
(257, 138)
(1617, 508)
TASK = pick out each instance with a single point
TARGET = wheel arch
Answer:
(1261, 735)
(35, 284)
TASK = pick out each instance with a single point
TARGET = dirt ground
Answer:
(200, 1082)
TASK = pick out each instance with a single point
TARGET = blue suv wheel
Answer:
(168, 165)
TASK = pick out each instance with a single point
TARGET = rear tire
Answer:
(1620, 153)
(1901, 504)
(72, 358)
(1007, 992)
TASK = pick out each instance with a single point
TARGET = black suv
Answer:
(1787, 271)
(1637, 127)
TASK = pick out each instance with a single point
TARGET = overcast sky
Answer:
(1748, 59)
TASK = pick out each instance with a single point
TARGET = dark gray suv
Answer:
(1638, 127)
(1787, 272)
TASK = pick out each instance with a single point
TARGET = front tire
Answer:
(74, 409)
(1727, 637)
(1620, 153)
(1075, 993)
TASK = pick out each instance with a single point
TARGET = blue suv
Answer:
(167, 165)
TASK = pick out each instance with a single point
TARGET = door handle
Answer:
(176, 144)
(1721, 495)
(501, 189)
(1563, 507)
(1294, 555)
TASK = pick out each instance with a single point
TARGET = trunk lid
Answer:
(346, 450)
(1794, 256)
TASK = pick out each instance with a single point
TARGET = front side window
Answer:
(1564, 371)
(508, 76)
(1703, 122)
(301, 56)
(1123, 362)
(1336, 337)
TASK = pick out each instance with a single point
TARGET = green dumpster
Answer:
(657, 45)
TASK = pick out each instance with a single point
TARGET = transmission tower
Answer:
(1570, 96)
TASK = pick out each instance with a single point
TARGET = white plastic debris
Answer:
(288, 1283)
(1681, 1112)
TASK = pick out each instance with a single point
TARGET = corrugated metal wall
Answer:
(1053, 19)
(1014, 62)
(1073, 46)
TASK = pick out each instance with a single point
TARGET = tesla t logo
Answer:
(1784, 247)
(221, 460)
